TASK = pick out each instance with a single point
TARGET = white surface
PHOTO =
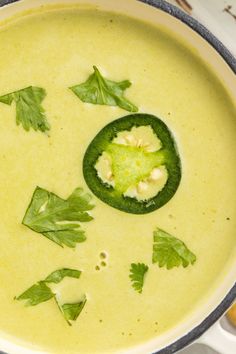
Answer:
(212, 14)
(198, 349)
(219, 339)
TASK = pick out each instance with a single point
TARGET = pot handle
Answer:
(219, 339)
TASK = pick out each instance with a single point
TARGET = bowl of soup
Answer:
(117, 183)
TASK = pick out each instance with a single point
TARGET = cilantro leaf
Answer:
(40, 292)
(29, 111)
(36, 294)
(98, 90)
(57, 276)
(72, 311)
(170, 252)
(58, 219)
(137, 273)
(67, 238)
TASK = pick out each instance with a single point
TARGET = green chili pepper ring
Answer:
(109, 194)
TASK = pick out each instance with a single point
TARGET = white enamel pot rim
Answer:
(215, 337)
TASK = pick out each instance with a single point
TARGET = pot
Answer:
(222, 62)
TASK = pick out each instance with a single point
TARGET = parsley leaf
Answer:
(72, 311)
(98, 90)
(170, 252)
(137, 273)
(57, 276)
(40, 292)
(29, 111)
(58, 219)
(36, 294)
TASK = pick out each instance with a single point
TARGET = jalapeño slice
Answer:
(133, 164)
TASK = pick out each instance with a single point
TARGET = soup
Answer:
(54, 49)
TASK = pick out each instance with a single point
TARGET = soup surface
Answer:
(56, 49)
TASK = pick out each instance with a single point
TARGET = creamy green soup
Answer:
(56, 49)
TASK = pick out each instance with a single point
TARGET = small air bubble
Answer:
(103, 255)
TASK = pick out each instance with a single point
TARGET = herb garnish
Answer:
(137, 273)
(36, 294)
(170, 252)
(58, 219)
(57, 276)
(72, 311)
(98, 90)
(29, 111)
(40, 292)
